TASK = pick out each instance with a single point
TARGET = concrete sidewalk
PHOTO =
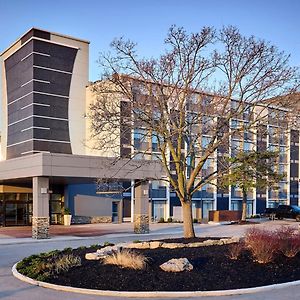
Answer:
(22, 234)
(13, 250)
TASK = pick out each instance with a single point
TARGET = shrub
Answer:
(81, 248)
(262, 243)
(235, 250)
(127, 259)
(68, 249)
(161, 220)
(67, 211)
(40, 267)
(293, 247)
(255, 217)
(288, 241)
(108, 244)
(195, 220)
(169, 220)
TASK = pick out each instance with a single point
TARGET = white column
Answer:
(132, 202)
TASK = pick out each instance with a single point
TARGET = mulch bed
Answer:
(213, 270)
(243, 223)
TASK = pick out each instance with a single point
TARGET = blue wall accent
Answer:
(261, 204)
(174, 201)
(84, 189)
(222, 203)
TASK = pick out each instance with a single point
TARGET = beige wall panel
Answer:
(93, 206)
(77, 102)
(112, 148)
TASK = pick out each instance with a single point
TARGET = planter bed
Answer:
(213, 270)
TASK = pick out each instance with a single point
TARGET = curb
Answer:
(146, 294)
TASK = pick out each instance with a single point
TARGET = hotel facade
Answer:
(46, 163)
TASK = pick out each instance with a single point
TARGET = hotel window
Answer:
(141, 139)
(247, 146)
(158, 189)
(205, 142)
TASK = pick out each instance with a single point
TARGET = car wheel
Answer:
(298, 218)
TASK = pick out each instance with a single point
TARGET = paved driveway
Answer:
(12, 250)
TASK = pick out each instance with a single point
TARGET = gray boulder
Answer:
(177, 265)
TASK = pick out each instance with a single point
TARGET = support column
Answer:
(120, 212)
(40, 217)
(141, 208)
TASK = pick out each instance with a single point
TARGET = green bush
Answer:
(68, 249)
(161, 220)
(108, 244)
(41, 267)
(169, 220)
(82, 248)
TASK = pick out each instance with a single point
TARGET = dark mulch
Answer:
(213, 270)
(243, 223)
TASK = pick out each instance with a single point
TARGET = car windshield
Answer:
(296, 208)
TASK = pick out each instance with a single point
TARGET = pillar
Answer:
(120, 212)
(141, 208)
(40, 217)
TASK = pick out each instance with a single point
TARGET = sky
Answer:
(147, 21)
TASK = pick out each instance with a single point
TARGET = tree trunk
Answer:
(188, 226)
(244, 205)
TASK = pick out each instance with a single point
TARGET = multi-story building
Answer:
(45, 164)
(48, 161)
(273, 132)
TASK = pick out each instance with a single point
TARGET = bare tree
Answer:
(188, 103)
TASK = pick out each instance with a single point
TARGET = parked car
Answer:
(284, 211)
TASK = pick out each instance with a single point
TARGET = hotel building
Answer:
(46, 163)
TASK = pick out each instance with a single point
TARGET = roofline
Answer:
(258, 103)
(37, 28)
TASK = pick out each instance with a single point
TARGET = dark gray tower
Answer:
(38, 103)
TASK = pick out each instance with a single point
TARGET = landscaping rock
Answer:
(92, 256)
(209, 243)
(155, 244)
(235, 239)
(219, 242)
(194, 245)
(142, 245)
(108, 250)
(230, 241)
(173, 245)
(177, 265)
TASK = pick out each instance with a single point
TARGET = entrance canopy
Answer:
(41, 170)
(73, 167)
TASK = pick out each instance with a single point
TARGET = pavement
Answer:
(13, 249)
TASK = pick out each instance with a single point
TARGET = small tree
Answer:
(250, 170)
(184, 101)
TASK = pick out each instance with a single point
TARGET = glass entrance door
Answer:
(16, 213)
(115, 216)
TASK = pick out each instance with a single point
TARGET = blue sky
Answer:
(147, 22)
